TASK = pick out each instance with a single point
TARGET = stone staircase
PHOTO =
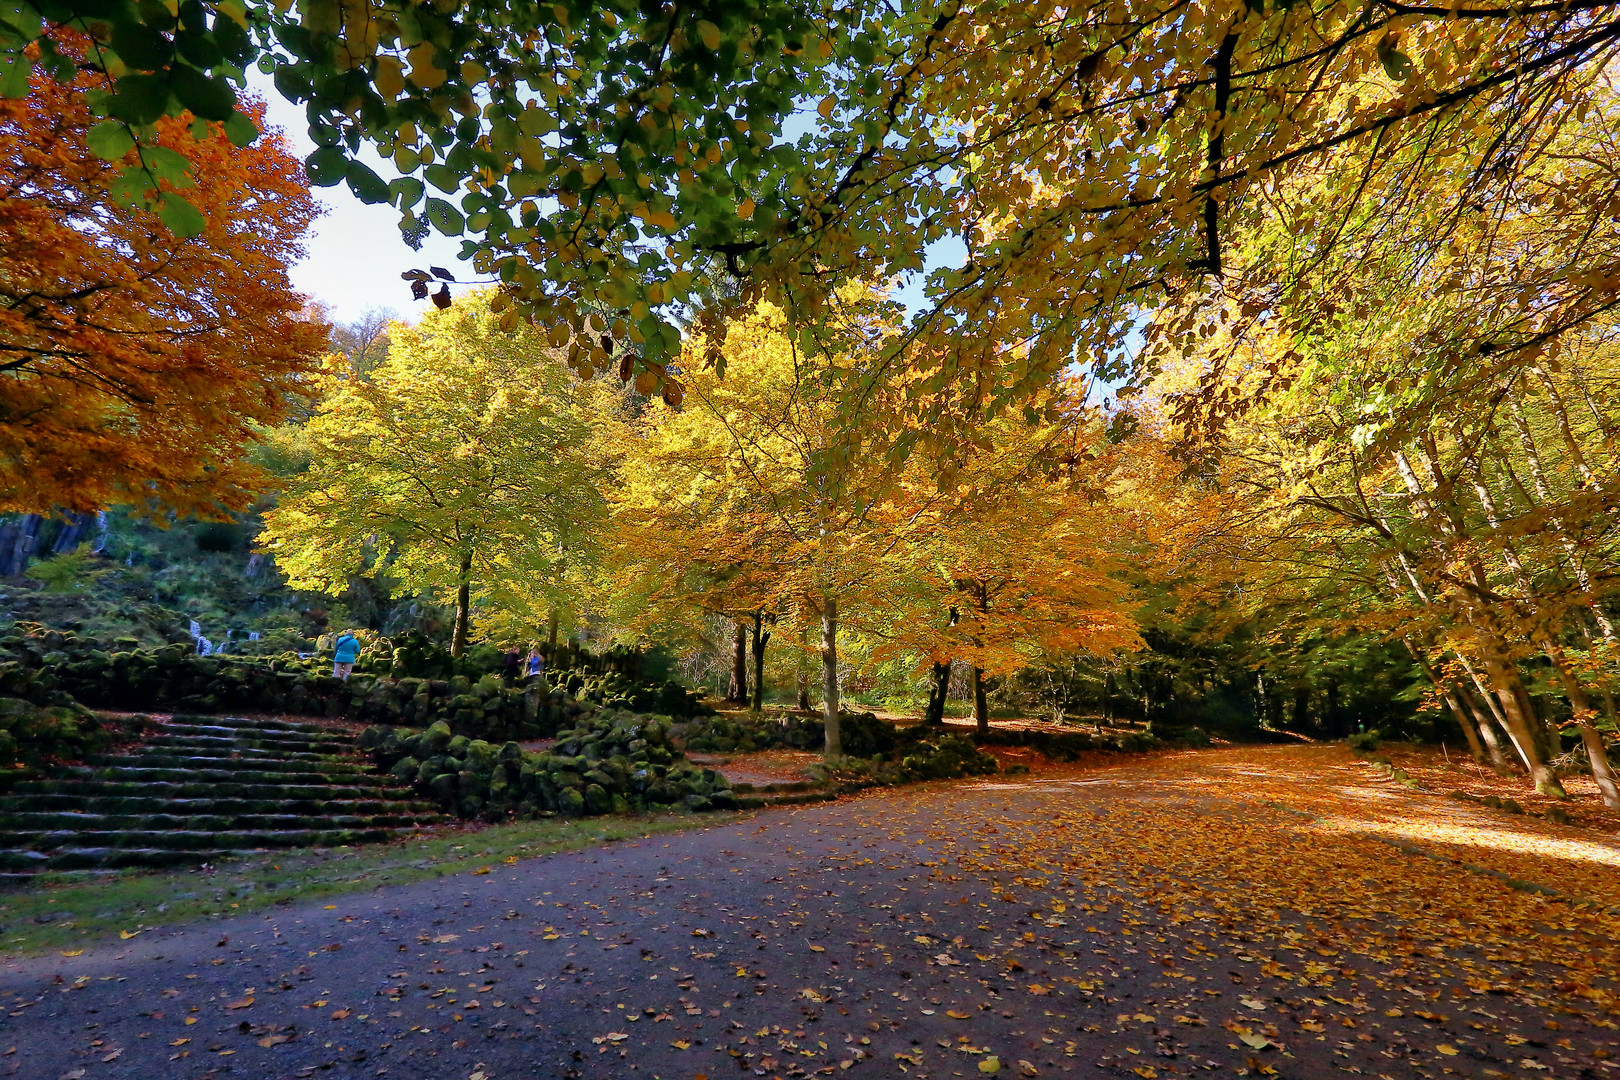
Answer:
(201, 789)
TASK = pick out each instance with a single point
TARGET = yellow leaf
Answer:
(127, 934)
(191, 1019)
(817, 948)
(72, 952)
(1146, 1071)
(746, 209)
(481, 870)
(954, 1015)
(709, 34)
(1449, 1051)
(825, 109)
(680, 1044)
(239, 1003)
(990, 1065)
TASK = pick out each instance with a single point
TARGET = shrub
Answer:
(1363, 742)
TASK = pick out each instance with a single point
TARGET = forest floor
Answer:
(1266, 910)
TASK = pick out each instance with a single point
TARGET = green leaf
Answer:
(140, 46)
(241, 130)
(443, 177)
(182, 219)
(446, 218)
(140, 99)
(110, 140)
(128, 189)
(367, 186)
(211, 99)
(326, 166)
(166, 164)
(14, 72)
(22, 20)
(406, 191)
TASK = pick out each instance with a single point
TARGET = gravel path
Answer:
(1121, 921)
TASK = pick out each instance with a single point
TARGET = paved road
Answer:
(1115, 922)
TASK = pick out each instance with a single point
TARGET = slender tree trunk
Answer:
(829, 675)
(737, 692)
(1520, 728)
(1476, 749)
(1451, 696)
(762, 638)
(553, 640)
(939, 684)
(803, 700)
(1590, 736)
(1486, 724)
(458, 638)
(981, 705)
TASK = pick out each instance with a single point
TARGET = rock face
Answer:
(611, 763)
(200, 789)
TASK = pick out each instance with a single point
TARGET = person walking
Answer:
(510, 664)
(348, 651)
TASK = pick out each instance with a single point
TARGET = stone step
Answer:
(149, 804)
(243, 723)
(215, 788)
(45, 821)
(235, 765)
(791, 798)
(189, 839)
(780, 786)
(131, 770)
(253, 735)
(203, 745)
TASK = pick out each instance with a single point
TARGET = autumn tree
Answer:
(751, 498)
(1467, 518)
(465, 465)
(1010, 548)
(136, 367)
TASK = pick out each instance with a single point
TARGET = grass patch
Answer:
(66, 912)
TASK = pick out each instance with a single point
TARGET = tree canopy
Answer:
(463, 465)
(136, 367)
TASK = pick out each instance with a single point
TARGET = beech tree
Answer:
(751, 498)
(465, 465)
(136, 367)
(1010, 547)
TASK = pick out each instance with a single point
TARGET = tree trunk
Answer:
(1486, 724)
(939, 684)
(1511, 697)
(554, 621)
(458, 638)
(762, 637)
(829, 675)
(737, 692)
(803, 700)
(1590, 736)
(981, 705)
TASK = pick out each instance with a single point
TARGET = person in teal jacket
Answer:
(348, 651)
